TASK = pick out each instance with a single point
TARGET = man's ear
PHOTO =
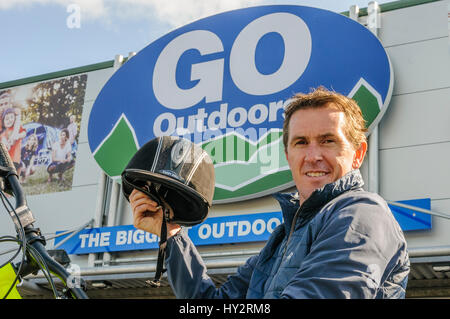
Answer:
(359, 155)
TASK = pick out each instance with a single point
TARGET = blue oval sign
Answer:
(223, 82)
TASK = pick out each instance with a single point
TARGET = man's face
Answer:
(318, 152)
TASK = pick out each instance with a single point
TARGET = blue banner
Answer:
(214, 231)
(409, 219)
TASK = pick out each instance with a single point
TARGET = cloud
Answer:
(177, 13)
(90, 9)
(172, 12)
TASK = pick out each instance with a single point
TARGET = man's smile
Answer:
(316, 173)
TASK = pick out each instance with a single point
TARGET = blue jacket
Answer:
(343, 242)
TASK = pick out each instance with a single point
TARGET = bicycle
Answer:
(31, 242)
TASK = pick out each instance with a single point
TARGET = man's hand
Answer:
(147, 215)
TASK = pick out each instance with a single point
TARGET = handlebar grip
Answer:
(5, 159)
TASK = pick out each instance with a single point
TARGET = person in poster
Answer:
(5, 101)
(12, 134)
(28, 158)
(73, 131)
(61, 157)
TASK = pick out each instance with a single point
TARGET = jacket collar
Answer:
(290, 203)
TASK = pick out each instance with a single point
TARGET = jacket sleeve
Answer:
(353, 250)
(187, 275)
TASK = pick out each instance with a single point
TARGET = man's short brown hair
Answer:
(355, 127)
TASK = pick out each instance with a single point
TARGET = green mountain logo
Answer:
(368, 99)
(236, 147)
(244, 168)
(122, 137)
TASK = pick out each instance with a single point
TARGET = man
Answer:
(337, 240)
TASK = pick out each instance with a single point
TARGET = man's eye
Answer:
(328, 141)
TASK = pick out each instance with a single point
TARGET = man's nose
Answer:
(313, 153)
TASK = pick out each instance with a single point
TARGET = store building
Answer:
(407, 165)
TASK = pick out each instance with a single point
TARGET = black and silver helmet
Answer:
(177, 171)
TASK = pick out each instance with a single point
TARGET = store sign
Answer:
(214, 231)
(412, 220)
(223, 82)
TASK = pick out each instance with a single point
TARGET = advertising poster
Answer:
(39, 125)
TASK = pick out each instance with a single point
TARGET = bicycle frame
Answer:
(36, 256)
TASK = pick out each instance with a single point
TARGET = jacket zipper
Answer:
(294, 221)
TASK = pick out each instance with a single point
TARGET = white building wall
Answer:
(415, 131)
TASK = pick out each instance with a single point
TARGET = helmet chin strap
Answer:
(156, 282)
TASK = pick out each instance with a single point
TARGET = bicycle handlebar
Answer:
(23, 218)
(58, 270)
